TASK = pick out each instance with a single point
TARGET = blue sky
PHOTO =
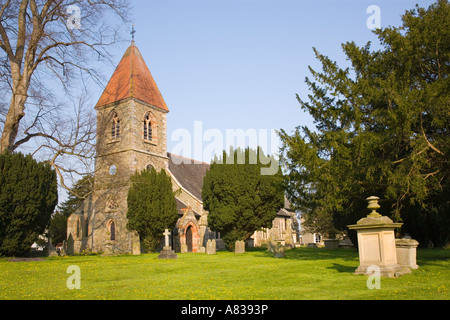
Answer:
(239, 63)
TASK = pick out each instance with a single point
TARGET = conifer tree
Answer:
(77, 195)
(151, 206)
(28, 196)
(241, 200)
(382, 128)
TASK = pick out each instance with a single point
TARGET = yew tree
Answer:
(151, 206)
(382, 128)
(240, 199)
(28, 196)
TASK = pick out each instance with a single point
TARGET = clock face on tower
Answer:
(112, 169)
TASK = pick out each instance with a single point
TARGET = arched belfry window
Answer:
(149, 127)
(115, 126)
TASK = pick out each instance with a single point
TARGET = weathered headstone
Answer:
(279, 250)
(135, 244)
(69, 248)
(167, 252)
(271, 244)
(51, 248)
(406, 252)
(211, 247)
(62, 251)
(239, 247)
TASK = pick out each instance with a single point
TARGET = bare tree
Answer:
(50, 54)
(65, 135)
(44, 39)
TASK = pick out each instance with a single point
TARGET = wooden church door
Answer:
(189, 239)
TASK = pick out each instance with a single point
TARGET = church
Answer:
(132, 136)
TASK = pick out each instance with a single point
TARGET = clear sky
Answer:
(239, 63)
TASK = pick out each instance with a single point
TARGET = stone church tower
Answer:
(131, 136)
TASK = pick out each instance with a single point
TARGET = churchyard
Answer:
(305, 273)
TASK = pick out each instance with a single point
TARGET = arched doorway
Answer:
(189, 239)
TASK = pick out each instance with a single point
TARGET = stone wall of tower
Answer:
(143, 153)
(128, 153)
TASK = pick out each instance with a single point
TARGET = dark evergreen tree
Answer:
(151, 206)
(241, 200)
(28, 196)
(77, 195)
(382, 128)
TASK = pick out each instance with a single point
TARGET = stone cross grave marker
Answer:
(167, 252)
(166, 238)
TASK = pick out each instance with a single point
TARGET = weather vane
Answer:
(133, 31)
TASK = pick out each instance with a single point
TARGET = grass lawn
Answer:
(305, 273)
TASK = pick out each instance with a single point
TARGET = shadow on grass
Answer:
(320, 254)
(433, 257)
(314, 254)
(342, 268)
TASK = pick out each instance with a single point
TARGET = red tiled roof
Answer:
(132, 79)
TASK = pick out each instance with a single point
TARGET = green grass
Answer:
(305, 273)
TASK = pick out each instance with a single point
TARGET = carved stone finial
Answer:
(373, 205)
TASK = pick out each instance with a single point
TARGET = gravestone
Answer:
(271, 244)
(376, 243)
(135, 244)
(51, 248)
(239, 247)
(167, 252)
(406, 252)
(279, 250)
(211, 247)
(69, 247)
(62, 251)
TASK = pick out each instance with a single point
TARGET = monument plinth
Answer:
(376, 242)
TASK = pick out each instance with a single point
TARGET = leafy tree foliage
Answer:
(77, 195)
(241, 200)
(28, 196)
(151, 206)
(382, 129)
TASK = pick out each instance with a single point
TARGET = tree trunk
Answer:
(15, 114)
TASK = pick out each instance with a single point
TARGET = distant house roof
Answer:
(132, 79)
(189, 173)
